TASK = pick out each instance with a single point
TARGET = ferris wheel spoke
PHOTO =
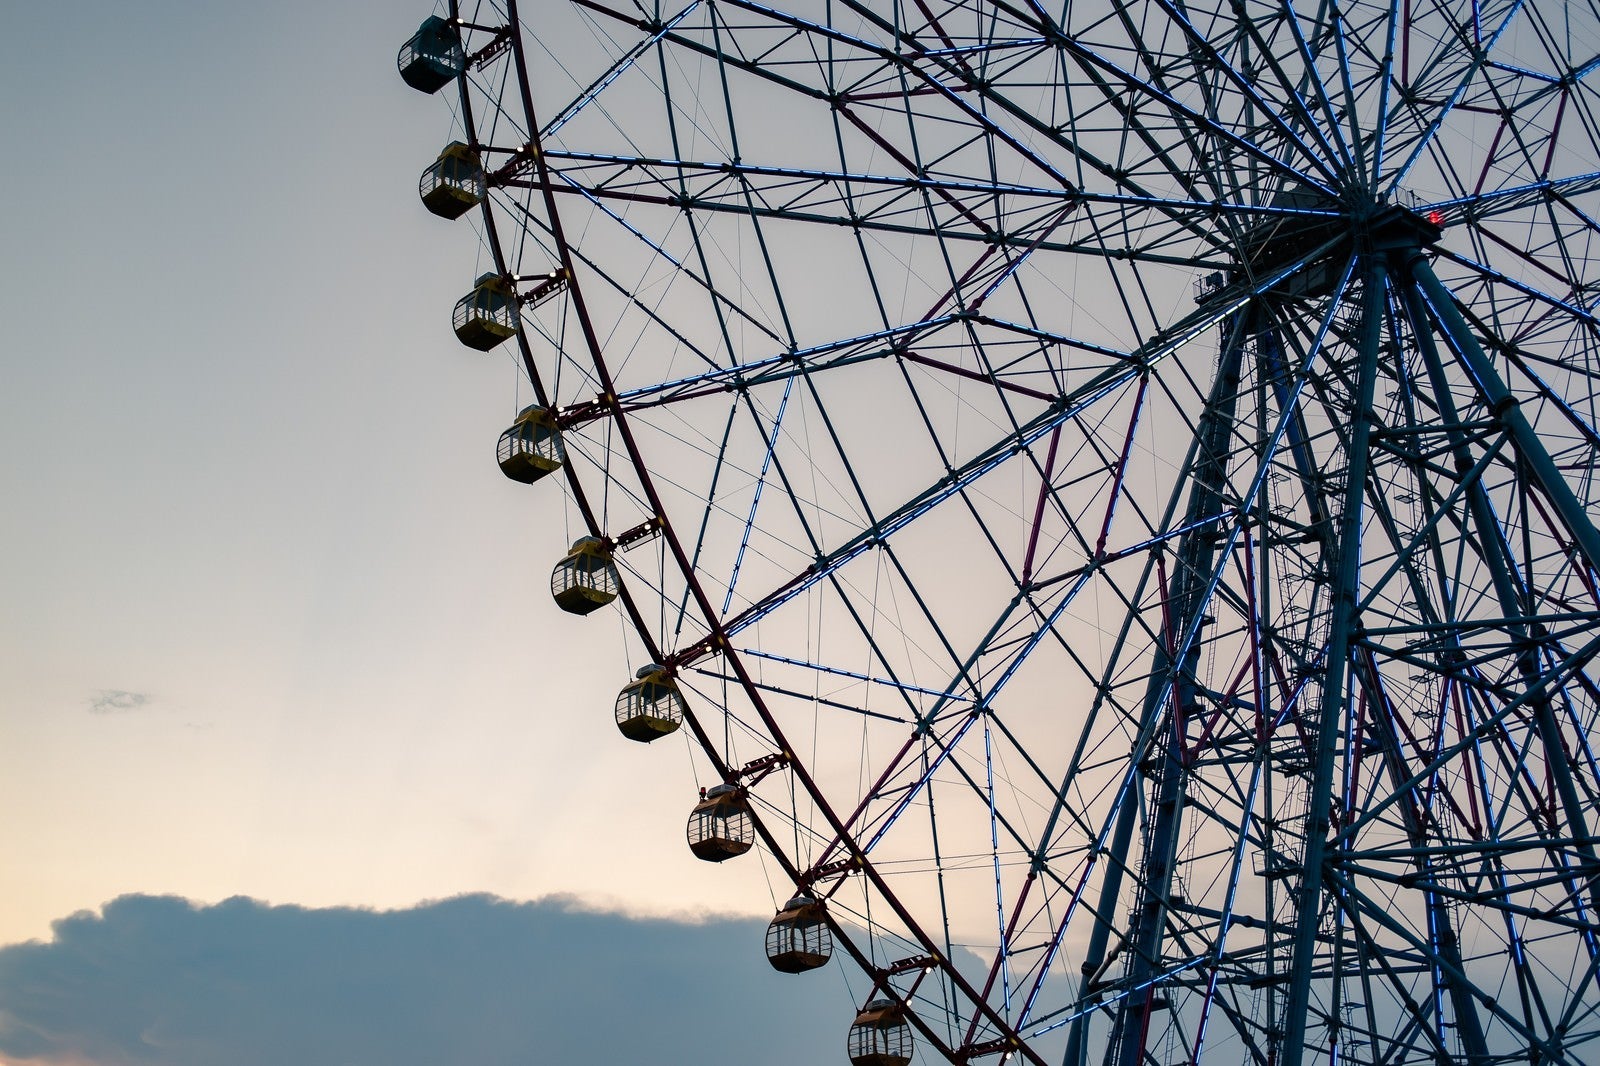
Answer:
(1386, 85)
(1230, 73)
(1349, 39)
(1446, 107)
(885, 57)
(1479, 207)
(777, 369)
(628, 292)
(1108, 77)
(890, 204)
(1547, 303)
(1095, 390)
(1111, 82)
(1320, 103)
(1200, 56)
(623, 62)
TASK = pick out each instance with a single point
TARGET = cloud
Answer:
(112, 700)
(161, 981)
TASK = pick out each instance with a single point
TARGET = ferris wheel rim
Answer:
(712, 619)
(934, 957)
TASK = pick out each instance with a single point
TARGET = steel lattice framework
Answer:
(1113, 481)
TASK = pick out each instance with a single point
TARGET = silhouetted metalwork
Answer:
(1115, 482)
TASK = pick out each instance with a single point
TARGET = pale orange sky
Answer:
(251, 480)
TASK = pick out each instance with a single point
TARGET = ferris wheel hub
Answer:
(1365, 228)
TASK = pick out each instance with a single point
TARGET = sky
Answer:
(298, 761)
(277, 631)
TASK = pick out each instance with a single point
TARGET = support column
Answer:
(1346, 594)
(1186, 597)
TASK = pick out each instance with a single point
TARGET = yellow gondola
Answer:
(881, 1036)
(720, 826)
(651, 706)
(532, 447)
(798, 938)
(454, 184)
(586, 580)
(487, 315)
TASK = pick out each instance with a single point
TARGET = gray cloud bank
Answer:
(160, 981)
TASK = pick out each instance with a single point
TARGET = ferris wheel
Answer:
(1109, 488)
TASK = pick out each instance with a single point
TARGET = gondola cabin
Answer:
(881, 1036)
(586, 580)
(433, 57)
(798, 937)
(650, 707)
(487, 315)
(720, 826)
(532, 447)
(454, 184)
